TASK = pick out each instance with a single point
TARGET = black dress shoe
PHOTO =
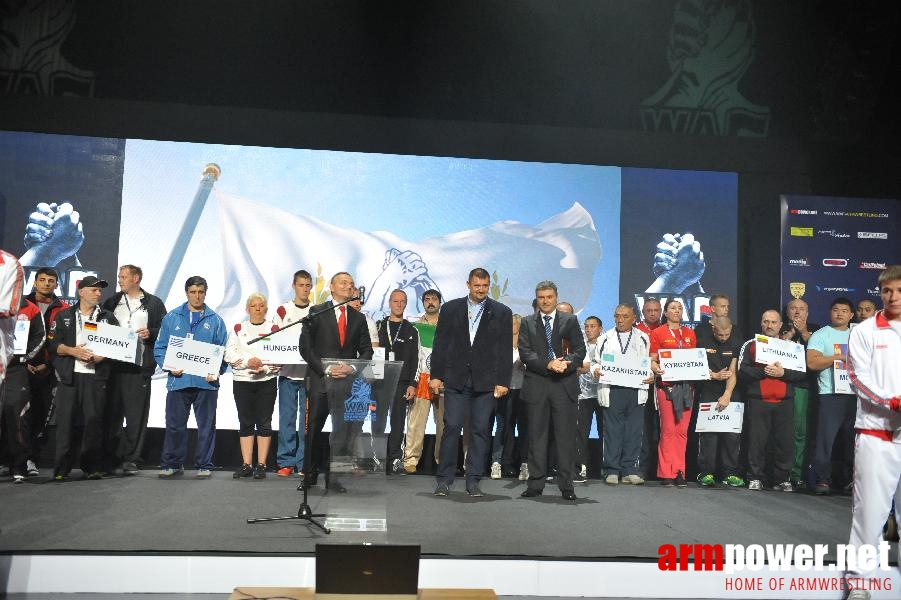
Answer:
(531, 493)
(569, 495)
(310, 479)
(332, 484)
(442, 489)
(474, 491)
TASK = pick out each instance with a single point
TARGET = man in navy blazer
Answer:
(471, 363)
(319, 339)
(550, 387)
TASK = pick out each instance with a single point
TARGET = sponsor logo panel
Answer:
(799, 262)
(833, 233)
(880, 266)
(802, 231)
(872, 235)
(835, 262)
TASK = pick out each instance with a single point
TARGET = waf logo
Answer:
(872, 265)
(835, 262)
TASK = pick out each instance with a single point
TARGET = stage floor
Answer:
(186, 515)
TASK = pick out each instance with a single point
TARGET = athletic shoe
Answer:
(204, 473)
(409, 469)
(129, 468)
(524, 472)
(666, 482)
(785, 486)
(583, 472)
(612, 479)
(579, 478)
(397, 467)
(680, 480)
(18, 478)
(858, 595)
(168, 473)
(245, 471)
(442, 489)
(755, 485)
(495, 470)
(633, 479)
(822, 489)
(733, 481)
(94, 475)
(259, 471)
(4, 471)
(285, 471)
(32, 469)
(707, 480)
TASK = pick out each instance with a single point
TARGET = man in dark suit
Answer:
(334, 332)
(471, 363)
(552, 349)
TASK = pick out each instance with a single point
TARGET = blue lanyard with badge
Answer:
(194, 322)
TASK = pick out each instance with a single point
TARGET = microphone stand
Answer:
(304, 512)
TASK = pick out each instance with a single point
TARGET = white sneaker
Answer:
(583, 472)
(524, 472)
(204, 473)
(32, 469)
(612, 479)
(754, 485)
(858, 595)
(496, 470)
(4, 471)
(18, 478)
(633, 480)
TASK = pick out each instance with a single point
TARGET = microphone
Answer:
(362, 294)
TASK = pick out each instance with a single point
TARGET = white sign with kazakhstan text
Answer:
(684, 364)
(789, 354)
(111, 341)
(282, 348)
(627, 370)
(192, 356)
(729, 420)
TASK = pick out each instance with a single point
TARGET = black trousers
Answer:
(771, 419)
(647, 461)
(324, 397)
(837, 414)
(79, 422)
(128, 401)
(720, 447)
(43, 389)
(255, 401)
(549, 405)
(586, 409)
(16, 427)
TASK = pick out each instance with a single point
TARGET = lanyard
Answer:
(474, 323)
(677, 336)
(622, 348)
(128, 308)
(191, 320)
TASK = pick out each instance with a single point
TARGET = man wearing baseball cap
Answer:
(83, 377)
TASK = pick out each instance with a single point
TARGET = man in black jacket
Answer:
(129, 385)
(83, 378)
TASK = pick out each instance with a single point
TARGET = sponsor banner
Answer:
(728, 420)
(192, 356)
(112, 341)
(685, 364)
(836, 247)
(772, 350)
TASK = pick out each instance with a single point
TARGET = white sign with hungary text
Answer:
(112, 341)
(684, 364)
(192, 356)
(282, 348)
(627, 370)
(789, 354)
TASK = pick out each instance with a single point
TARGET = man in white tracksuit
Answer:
(874, 366)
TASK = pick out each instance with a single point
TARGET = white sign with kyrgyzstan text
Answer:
(111, 341)
(789, 354)
(684, 364)
(193, 357)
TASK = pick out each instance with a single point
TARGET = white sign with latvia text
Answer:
(789, 354)
(282, 348)
(729, 420)
(192, 357)
(684, 364)
(111, 341)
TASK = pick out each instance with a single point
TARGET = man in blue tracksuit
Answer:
(195, 320)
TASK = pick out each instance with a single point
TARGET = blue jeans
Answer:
(292, 410)
(178, 408)
(479, 406)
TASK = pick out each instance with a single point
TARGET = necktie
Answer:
(547, 334)
(342, 325)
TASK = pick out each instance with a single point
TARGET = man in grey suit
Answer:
(471, 363)
(552, 348)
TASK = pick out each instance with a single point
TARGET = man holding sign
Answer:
(83, 378)
(191, 324)
(715, 399)
(770, 407)
(826, 348)
(623, 372)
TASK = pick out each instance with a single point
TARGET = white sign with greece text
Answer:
(789, 354)
(192, 357)
(684, 364)
(111, 341)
